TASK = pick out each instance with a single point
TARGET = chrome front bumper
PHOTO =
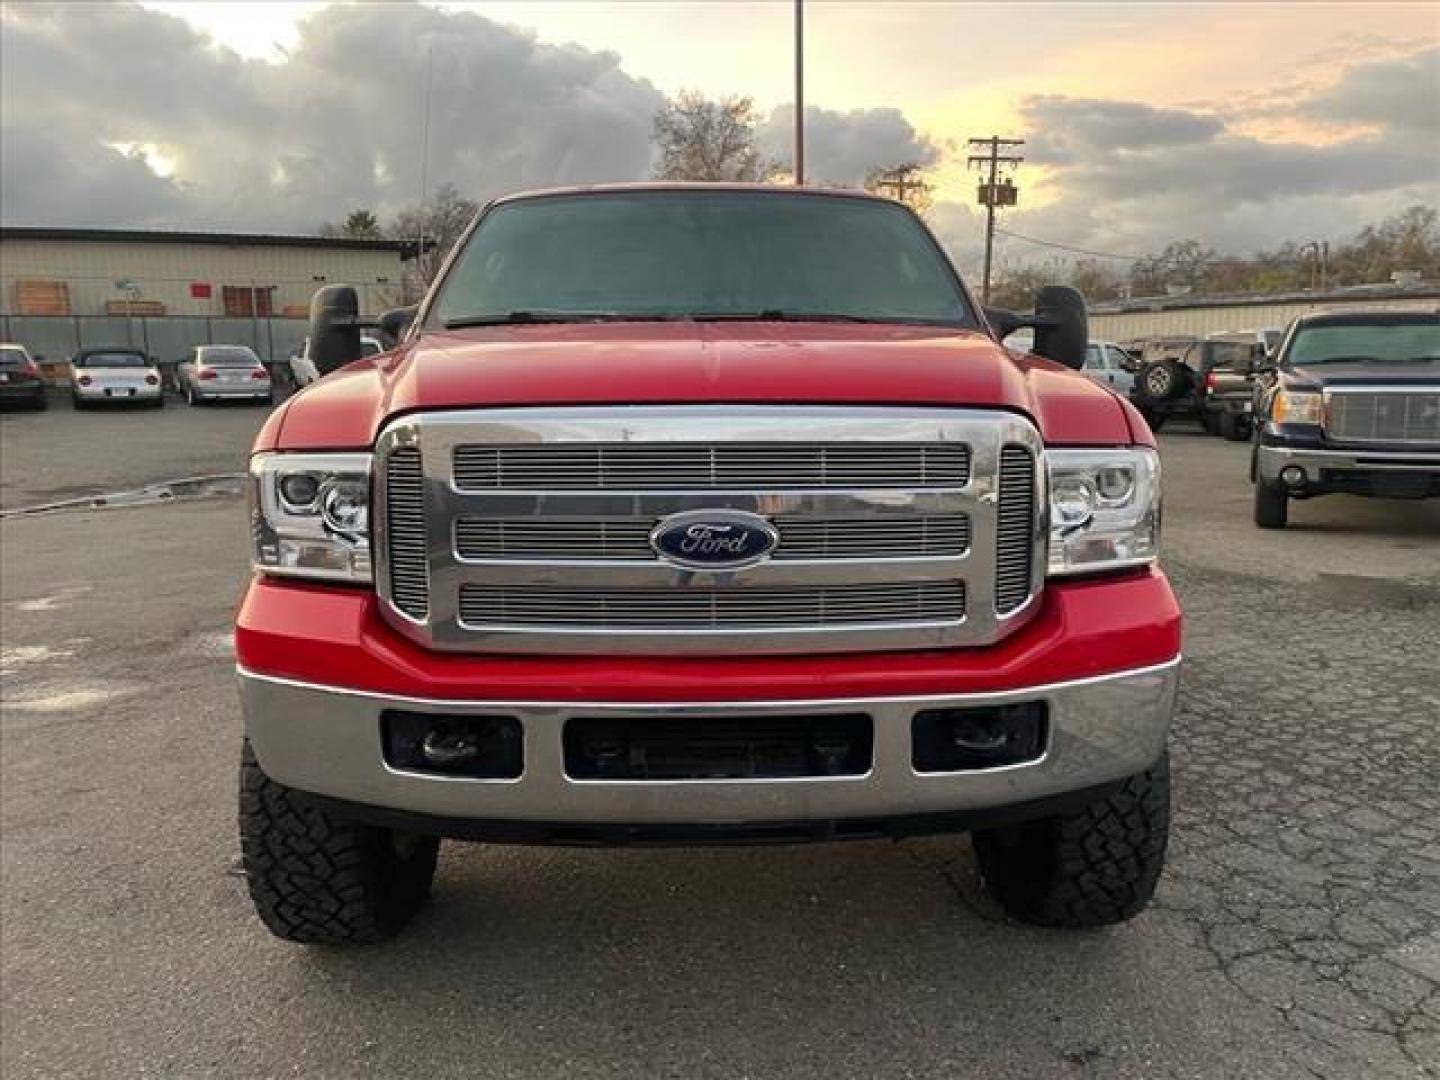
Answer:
(326, 740)
(1271, 459)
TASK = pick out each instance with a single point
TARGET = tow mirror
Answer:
(397, 320)
(334, 328)
(1062, 328)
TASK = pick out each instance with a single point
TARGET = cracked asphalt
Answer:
(1296, 932)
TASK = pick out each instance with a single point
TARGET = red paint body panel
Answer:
(704, 363)
(336, 637)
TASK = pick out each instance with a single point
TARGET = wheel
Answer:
(1210, 422)
(1234, 427)
(77, 403)
(158, 403)
(323, 880)
(1272, 505)
(1161, 380)
(1090, 867)
(40, 404)
(1156, 420)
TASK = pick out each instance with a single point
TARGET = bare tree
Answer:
(440, 222)
(700, 139)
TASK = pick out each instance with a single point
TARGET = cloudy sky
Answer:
(1238, 124)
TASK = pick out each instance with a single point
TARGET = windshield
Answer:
(12, 358)
(1376, 343)
(684, 254)
(112, 359)
(228, 356)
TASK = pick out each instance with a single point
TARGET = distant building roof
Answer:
(406, 248)
(1344, 294)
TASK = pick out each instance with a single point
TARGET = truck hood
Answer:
(683, 363)
(1368, 373)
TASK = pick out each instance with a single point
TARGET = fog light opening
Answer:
(482, 747)
(986, 737)
(1293, 476)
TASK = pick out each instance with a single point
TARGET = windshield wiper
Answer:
(783, 315)
(538, 315)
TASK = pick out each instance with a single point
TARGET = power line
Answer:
(1074, 250)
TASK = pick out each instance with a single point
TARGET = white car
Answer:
(302, 368)
(216, 372)
(1105, 362)
(112, 374)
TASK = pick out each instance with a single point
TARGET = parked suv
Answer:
(698, 513)
(1179, 377)
(1351, 404)
(20, 378)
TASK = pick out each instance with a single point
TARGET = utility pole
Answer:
(899, 183)
(993, 191)
(421, 269)
(799, 93)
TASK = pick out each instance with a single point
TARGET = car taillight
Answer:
(259, 373)
(30, 370)
(85, 380)
(1210, 380)
(152, 380)
(207, 374)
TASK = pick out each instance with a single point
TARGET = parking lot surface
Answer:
(1296, 932)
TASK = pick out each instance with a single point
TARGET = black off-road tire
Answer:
(1234, 427)
(1210, 422)
(323, 880)
(1272, 505)
(1095, 866)
(1161, 380)
(1155, 420)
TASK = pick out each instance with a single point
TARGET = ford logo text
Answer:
(714, 539)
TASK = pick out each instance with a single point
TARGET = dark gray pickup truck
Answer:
(1350, 404)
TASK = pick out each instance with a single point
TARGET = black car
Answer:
(1351, 404)
(20, 378)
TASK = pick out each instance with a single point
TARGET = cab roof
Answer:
(642, 187)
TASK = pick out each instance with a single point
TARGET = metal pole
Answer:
(425, 170)
(990, 219)
(799, 92)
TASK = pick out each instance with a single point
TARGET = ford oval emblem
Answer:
(714, 539)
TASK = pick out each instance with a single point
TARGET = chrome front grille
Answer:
(528, 530)
(1397, 414)
(595, 539)
(487, 607)
(1014, 546)
(691, 466)
(405, 532)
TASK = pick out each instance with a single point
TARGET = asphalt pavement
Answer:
(1296, 932)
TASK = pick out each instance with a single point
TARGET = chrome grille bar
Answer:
(679, 466)
(405, 532)
(1015, 526)
(629, 539)
(485, 607)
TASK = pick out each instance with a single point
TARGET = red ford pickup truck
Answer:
(691, 513)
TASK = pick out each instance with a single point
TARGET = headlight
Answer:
(310, 515)
(1296, 407)
(1104, 509)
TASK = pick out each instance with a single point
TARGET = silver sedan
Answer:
(216, 372)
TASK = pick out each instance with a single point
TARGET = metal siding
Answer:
(164, 272)
(1123, 326)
